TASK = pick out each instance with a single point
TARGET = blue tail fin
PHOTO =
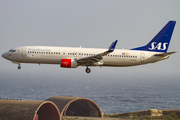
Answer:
(161, 41)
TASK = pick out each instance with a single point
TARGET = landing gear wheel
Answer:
(19, 67)
(88, 70)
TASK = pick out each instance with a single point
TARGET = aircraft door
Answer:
(75, 54)
(23, 52)
(142, 57)
(79, 55)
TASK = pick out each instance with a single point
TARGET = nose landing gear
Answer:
(19, 67)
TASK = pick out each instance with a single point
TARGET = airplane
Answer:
(72, 57)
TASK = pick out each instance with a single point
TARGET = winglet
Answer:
(112, 47)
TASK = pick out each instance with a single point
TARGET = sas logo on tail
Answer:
(158, 46)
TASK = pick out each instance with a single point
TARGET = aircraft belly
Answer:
(43, 60)
(121, 62)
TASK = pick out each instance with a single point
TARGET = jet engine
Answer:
(68, 63)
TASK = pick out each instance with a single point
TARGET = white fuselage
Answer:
(72, 57)
(53, 55)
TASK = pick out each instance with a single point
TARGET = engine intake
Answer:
(68, 63)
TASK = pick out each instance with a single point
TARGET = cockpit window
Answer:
(11, 50)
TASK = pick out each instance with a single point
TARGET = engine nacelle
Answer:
(68, 63)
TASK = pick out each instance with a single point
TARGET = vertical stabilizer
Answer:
(161, 41)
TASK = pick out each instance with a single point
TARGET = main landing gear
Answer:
(88, 70)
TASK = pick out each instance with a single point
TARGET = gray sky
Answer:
(93, 23)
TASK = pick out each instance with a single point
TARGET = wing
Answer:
(90, 60)
(164, 54)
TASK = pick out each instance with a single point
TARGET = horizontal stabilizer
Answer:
(164, 54)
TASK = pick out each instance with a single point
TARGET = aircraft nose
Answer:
(4, 55)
